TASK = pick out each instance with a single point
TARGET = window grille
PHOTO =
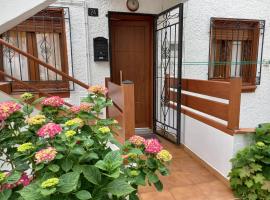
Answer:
(236, 49)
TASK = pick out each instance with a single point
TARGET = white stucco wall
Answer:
(211, 145)
(254, 106)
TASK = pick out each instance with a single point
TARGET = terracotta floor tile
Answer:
(176, 179)
(165, 195)
(215, 190)
(147, 189)
(187, 193)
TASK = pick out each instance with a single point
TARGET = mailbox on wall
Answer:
(101, 49)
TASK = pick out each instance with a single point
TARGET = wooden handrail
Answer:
(30, 86)
(50, 67)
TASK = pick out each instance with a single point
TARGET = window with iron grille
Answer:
(43, 35)
(236, 48)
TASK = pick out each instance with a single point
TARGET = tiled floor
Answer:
(189, 180)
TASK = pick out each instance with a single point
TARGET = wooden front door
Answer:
(131, 59)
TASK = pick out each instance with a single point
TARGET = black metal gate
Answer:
(168, 62)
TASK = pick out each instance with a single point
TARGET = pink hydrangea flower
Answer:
(98, 89)
(45, 155)
(54, 101)
(49, 130)
(152, 146)
(86, 107)
(24, 180)
(75, 109)
(137, 140)
(8, 108)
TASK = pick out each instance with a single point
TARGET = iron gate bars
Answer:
(168, 63)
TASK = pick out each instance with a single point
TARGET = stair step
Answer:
(5, 87)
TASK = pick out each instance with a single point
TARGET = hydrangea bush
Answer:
(250, 174)
(65, 153)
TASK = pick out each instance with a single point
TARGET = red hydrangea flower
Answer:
(24, 180)
(54, 101)
(8, 108)
(49, 130)
(152, 146)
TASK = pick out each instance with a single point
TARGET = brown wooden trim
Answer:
(30, 86)
(63, 45)
(245, 131)
(213, 108)
(50, 67)
(213, 123)
(210, 122)
(129, 112)
(234, 104)
(123, 109)
(5, 87)
(207, 166)
(248, 88)
(48, 86)
(219, 89)
(117, 95)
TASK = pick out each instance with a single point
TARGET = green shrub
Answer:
(250, 175)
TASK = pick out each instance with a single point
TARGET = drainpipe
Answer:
(89, 72)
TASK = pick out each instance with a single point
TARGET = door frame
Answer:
(138, 17)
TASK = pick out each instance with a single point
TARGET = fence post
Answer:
(234, 103)
(129, 109)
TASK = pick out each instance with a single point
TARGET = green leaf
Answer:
(244, 172)
(255, 167)
(101, 165)
(4, 195)
(13, 178)
(39, 167)
(249, 183)
(259, 178)
(78, 151)
(152, 177)
(59, 156)
(92, 174)
(68, 182)
(54, 168)
(266, 186)
(152, 163)
(67, 164)
(113, 160)
(83, 195)
(114, 174)
(31, 192)
(47, 192)
(140, 179)
(119, 187)
(88, 157)
(77, 168)
(266, 172)
(159, 186)
(164, 171)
